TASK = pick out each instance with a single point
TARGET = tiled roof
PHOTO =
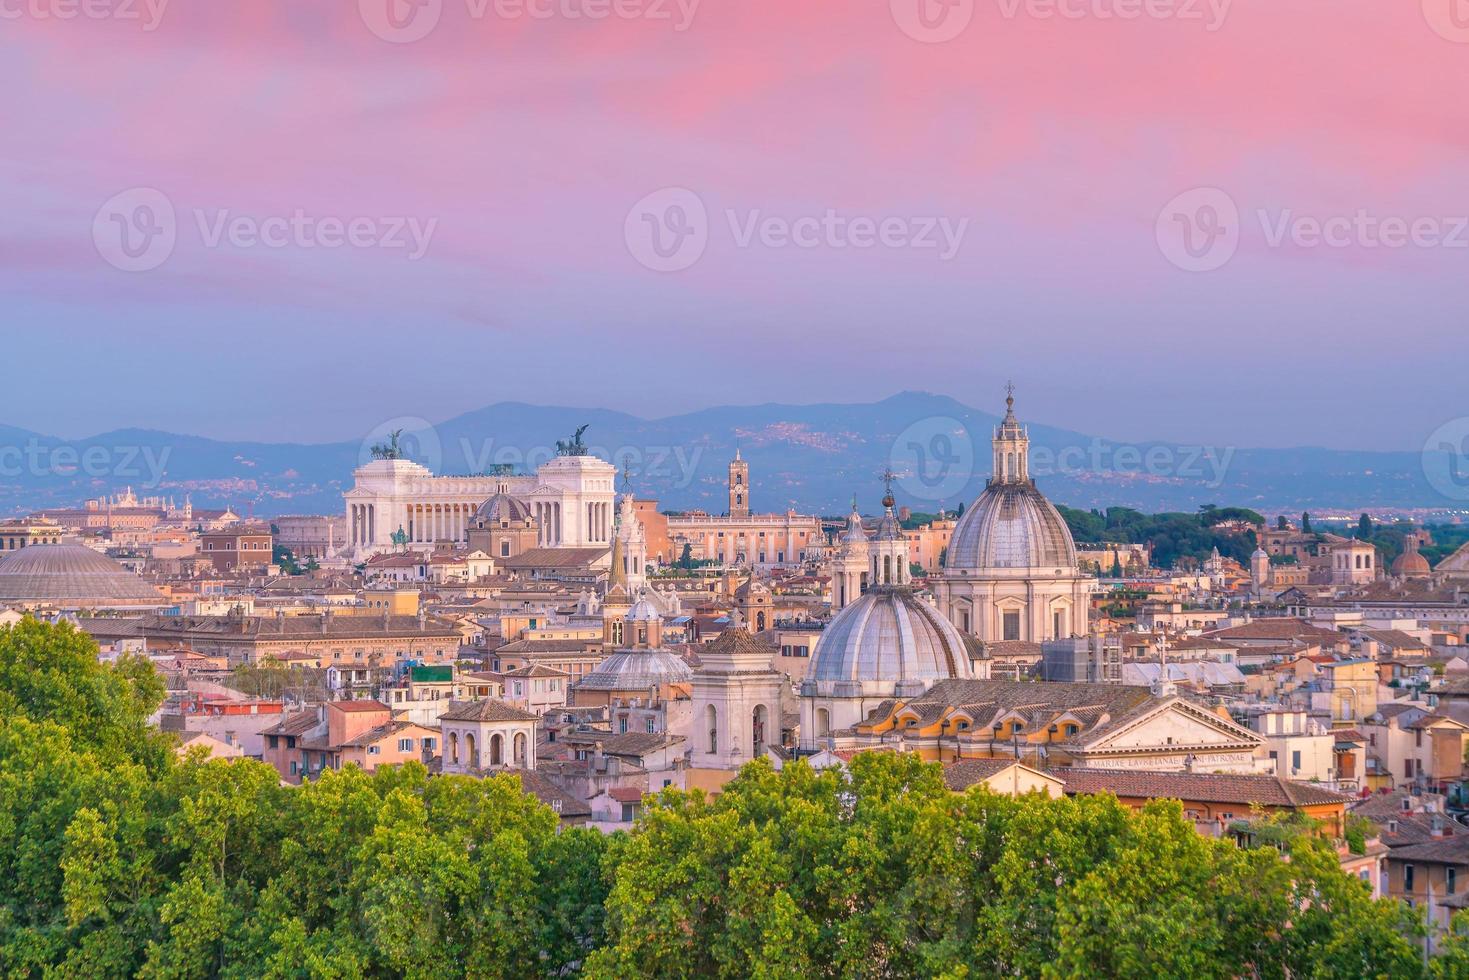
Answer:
(1443, 850)
(1244, 789)
(295, 723)
(555, 558)
(487, 710)
(374, 735)
(962, 775)
(359, 706)
(549, 793)
(626, 794)
(1276, 629)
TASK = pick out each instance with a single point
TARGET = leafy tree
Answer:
(1306, 522)
(1364, 527)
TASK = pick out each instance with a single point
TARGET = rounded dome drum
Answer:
(71, 573)
(1011, 525)
(889, 636)
(503, 507)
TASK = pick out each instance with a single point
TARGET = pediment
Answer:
(1175, 723)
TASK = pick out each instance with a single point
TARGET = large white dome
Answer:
(889, 638)
(1011, 525)
(72, 575)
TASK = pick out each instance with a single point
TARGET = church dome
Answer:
(1011, 525)
(501, 508)
(637, 670)
(72, 574)
(1411, 564)
(888, 636)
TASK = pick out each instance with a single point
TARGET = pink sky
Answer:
(1057, 138)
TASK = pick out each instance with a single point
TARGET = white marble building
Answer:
(571, 498)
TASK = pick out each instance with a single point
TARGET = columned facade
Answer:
(570, 497)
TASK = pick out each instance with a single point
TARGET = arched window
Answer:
(472, 758)
(520, 749)
(759, 621)
(497, 749)
(711, 718)
(758, 722)
(823, 722)
(454, 748)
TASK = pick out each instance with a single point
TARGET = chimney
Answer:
(1437, 826)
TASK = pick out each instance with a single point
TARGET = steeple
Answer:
(1012, 445)
(739, 486)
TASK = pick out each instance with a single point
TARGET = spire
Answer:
(1011, 445)
(887, 481)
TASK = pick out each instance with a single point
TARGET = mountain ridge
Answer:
(811, 457)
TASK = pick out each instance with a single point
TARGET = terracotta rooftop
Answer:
(1245, 789)
(486, 710)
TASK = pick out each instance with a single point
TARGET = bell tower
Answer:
(739, 487)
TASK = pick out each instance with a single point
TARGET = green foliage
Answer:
(886, 873)
(1173, 536)
(120, 859)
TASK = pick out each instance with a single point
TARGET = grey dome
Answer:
(889, 636)
(72, 573)
(503, 507)
(637, 670)
(1011, 525)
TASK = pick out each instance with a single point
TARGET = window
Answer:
(374, 750)
(1295, 760)
(405, 745)
(1452, 880)
(274, 740)
(1407, 877)
(1012, 626)
(651, 726)
(622, 725)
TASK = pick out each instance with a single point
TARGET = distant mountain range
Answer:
(810, 457)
